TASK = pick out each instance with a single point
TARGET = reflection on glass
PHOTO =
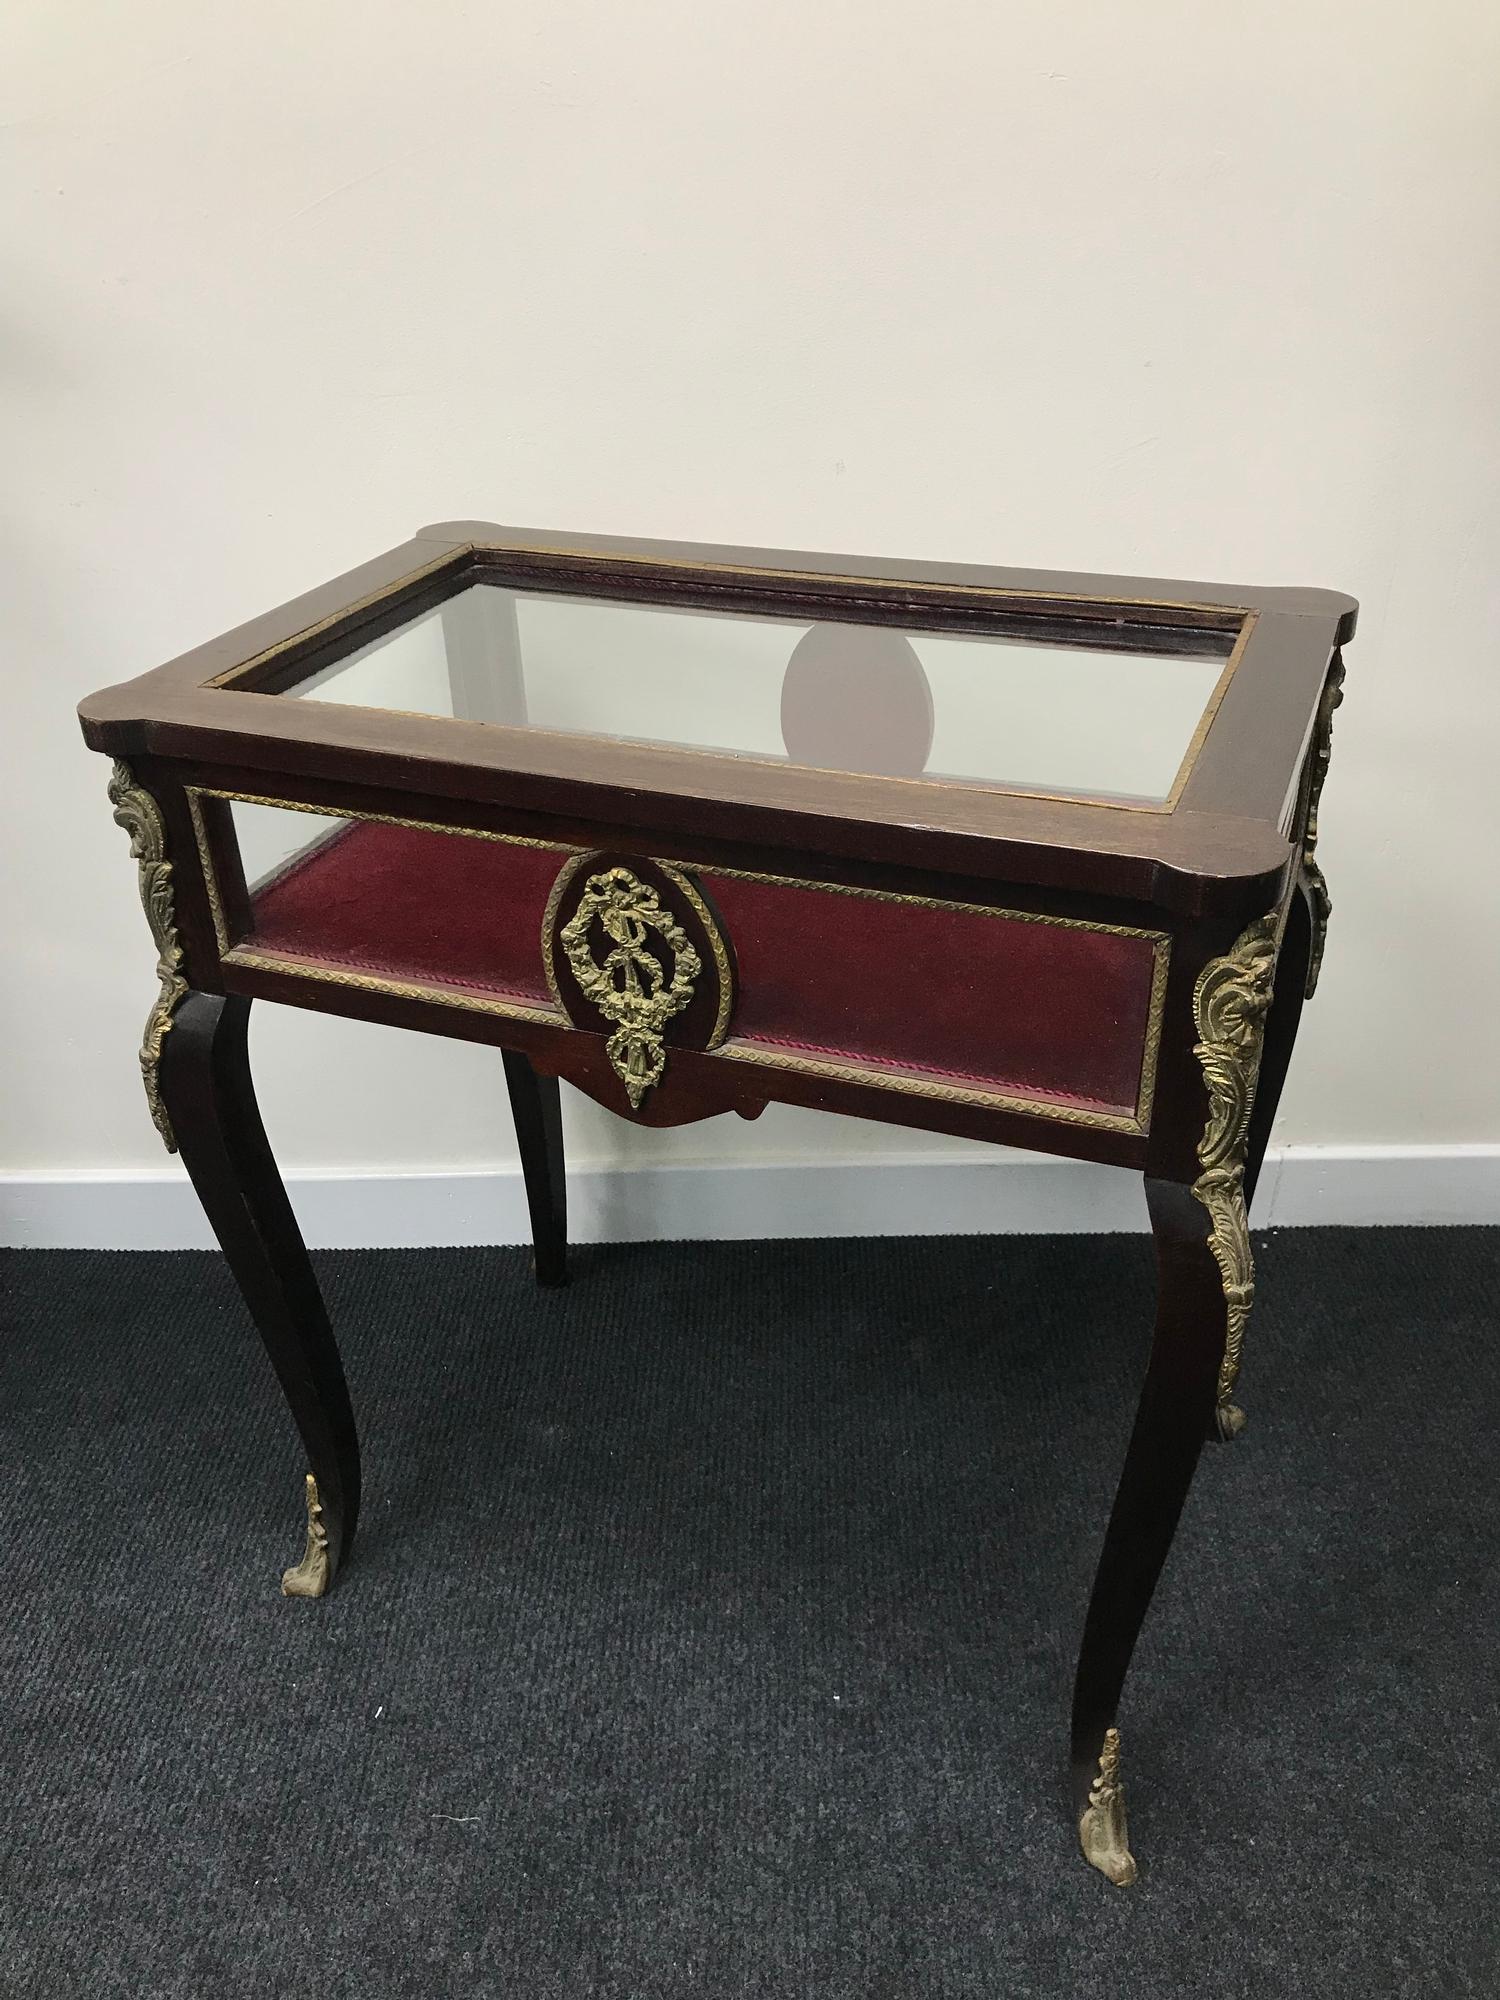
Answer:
(1034, 717)
(271, 838)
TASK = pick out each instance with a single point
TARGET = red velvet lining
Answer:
(437, 908)
(1034, 1007)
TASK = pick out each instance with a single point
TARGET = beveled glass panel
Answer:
(1110, 722)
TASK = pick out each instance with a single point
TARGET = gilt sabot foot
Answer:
(310, 1577)
(1102, 1832)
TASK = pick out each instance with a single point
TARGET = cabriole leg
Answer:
(1206, 1284)
(209, 1097)
(1172, 1421)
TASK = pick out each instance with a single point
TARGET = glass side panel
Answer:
(379, 901)
(1061, 719)
(271, 838)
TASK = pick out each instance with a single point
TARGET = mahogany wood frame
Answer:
(1230, 849)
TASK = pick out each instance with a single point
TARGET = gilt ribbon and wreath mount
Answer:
(633, 951)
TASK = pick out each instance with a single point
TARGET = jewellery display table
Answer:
(1019, 856)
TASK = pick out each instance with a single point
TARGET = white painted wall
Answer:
(1160, 287)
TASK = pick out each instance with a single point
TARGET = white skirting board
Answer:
(1302, 1186)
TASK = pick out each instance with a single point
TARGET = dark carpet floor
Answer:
(712, 1627)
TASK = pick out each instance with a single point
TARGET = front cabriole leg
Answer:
(1205, 1284)
(196, 1069)
(1172, 1419)
(209, 1095)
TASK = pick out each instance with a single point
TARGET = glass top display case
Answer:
(1013, 856)
(966, 718)
(1117, 720)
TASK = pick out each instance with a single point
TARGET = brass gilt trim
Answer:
(1333, 694)
(138, 813)
(905, 1083)
(1102, 1832)
(1230, 1002)
(1161, 952)
(628, 985)
(678, 862)
(919, 902)
(210, 874)
(309, 1578)
(885, 587)
(560, 882)
(385, 819)
(401, 989)
(1161, 948)
(450, 558)
(896, 586)
(902, 1083)
(245, 954)
(716, 945)
(675, 866)
(893, 584)
(1204, 724)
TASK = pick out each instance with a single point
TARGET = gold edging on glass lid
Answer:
(890, 586)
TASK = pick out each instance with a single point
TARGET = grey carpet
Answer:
(712, 1624)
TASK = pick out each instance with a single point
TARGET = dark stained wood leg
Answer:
(206, 1087)
(1175, 1412)
(536, 1106)
(1281, 1030)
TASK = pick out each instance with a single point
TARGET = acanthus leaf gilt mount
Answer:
(138, 813)
(1231, 999)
